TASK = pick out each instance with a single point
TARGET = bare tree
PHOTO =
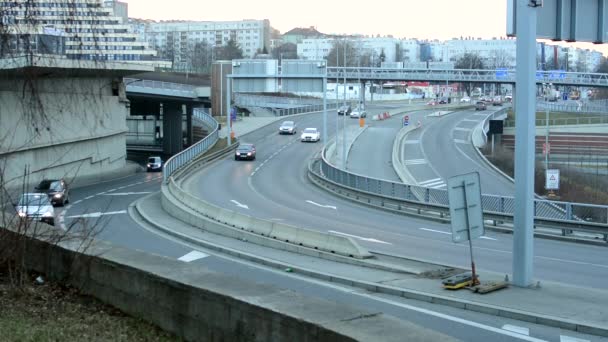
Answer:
(469, 61)
(230, 51)
(343, 53)
(285, 51)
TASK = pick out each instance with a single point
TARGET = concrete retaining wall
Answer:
(197, 304)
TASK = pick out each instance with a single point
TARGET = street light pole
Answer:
(344, 117)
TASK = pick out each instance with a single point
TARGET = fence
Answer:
(185, 156)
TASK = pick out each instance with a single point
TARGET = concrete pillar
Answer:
(189, 111)
(172, 128)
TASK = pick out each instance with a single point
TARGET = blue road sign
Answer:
(233, 114)
(406, 121)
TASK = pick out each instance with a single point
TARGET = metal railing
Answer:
(562, 215)
(570, 107)
(160, 88)
(185, 156)
(596, 120)
(305, 109)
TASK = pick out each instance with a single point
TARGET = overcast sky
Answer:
(423, 19)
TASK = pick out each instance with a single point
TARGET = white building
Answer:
(410, 50)
(319, 48)
(495, 53)
(176, 39)
(79, 29)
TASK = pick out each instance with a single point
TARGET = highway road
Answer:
(104, 207)
(275, 187)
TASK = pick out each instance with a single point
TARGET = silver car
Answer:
(287, 127)
(37, 207)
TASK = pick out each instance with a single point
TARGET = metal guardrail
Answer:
(463, 75)
(160, 88)
(597, 120)
(185, 156)
(582, 107)
(562, 215)
(304, 109)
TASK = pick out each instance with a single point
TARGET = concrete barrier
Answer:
(198, 212)
(197, 304)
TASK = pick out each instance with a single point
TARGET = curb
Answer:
(391, 290)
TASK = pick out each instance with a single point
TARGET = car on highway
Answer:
(310, 135)
(56, 189)
(431, 103)
(287, 127)
(154, 164)
(465, 99)
(443, 100)
(344, 110)
(36, 207)
(245, 152)
(480, 105)
(358, 113)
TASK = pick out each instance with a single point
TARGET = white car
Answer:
(465, 99)
(310, 134)
(36, 207)
(287, 127)
(358, 113)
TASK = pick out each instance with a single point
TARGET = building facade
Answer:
(82, 30)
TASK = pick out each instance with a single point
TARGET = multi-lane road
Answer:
(276, 187)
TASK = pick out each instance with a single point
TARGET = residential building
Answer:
(79, 29)
(378, 49)
(298, 34)
(176, 40)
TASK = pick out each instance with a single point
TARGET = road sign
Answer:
(406, 121)
(464, 194)
(552, 179)
(233, 114)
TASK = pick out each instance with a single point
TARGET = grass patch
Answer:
(50, 312)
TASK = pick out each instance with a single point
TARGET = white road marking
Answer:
(460, 141)
(415, 161)
(411, 142)
(462, 129)
(101, 193)
(430, 185)
(128, 193)
(98, 214)
(564, 338)
(440, 186)
(76, 202)
(470, 120)
(321, 205)
(87, 198)
(517, 329)
(111, 190)
(449, 233)
(194, 255)
(239, 204)
(360, 237)
(423, 183)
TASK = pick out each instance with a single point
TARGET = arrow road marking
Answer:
(239, 204)
(448, 233)
(194, 255)
(360, 238)
(127, 193)
(517, 329)
(321, 205)
(95, 215)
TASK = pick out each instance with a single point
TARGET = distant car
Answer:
(36, 207)
(443, 100)
(245, 151)
(344, 110)
(497, 101)
(56, 189)
(465, 99)
(154, 164)
(358, 113)
(509, 98)
(287, 127)
(432, 103)
(480, 105)
(311, 134)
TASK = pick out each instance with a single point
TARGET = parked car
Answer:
(287, 127)
(465, 99)
(36, 207)
(480, 105)
(56, 189)
(344, 110)
(154, 164)
(358, 113)
(311, 134)
(245, 151)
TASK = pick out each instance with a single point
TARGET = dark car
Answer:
(480, 105)
(344, 110)
(56, 189)
(245, 151)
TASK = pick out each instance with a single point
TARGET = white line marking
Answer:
(517, 329)
(239, 204)
(470, 120)
(411, 142)
(449, 233)
(430, 185)
(415, 161)
(439, 186)
(111, 190)
(460, 141)
(429, 181)
(321, 205)
(462, 129)
(87, 198)
(101, 193)
(360, 237)
(128, 193)
(253, 174)
(98, 214)
(76, 202)
(194, 255)
(564, 338)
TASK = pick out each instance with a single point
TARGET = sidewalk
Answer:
(248, 124)
(552, 304)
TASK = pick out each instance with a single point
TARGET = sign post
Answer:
(464, 194)
(552, 179)
(406, 120)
